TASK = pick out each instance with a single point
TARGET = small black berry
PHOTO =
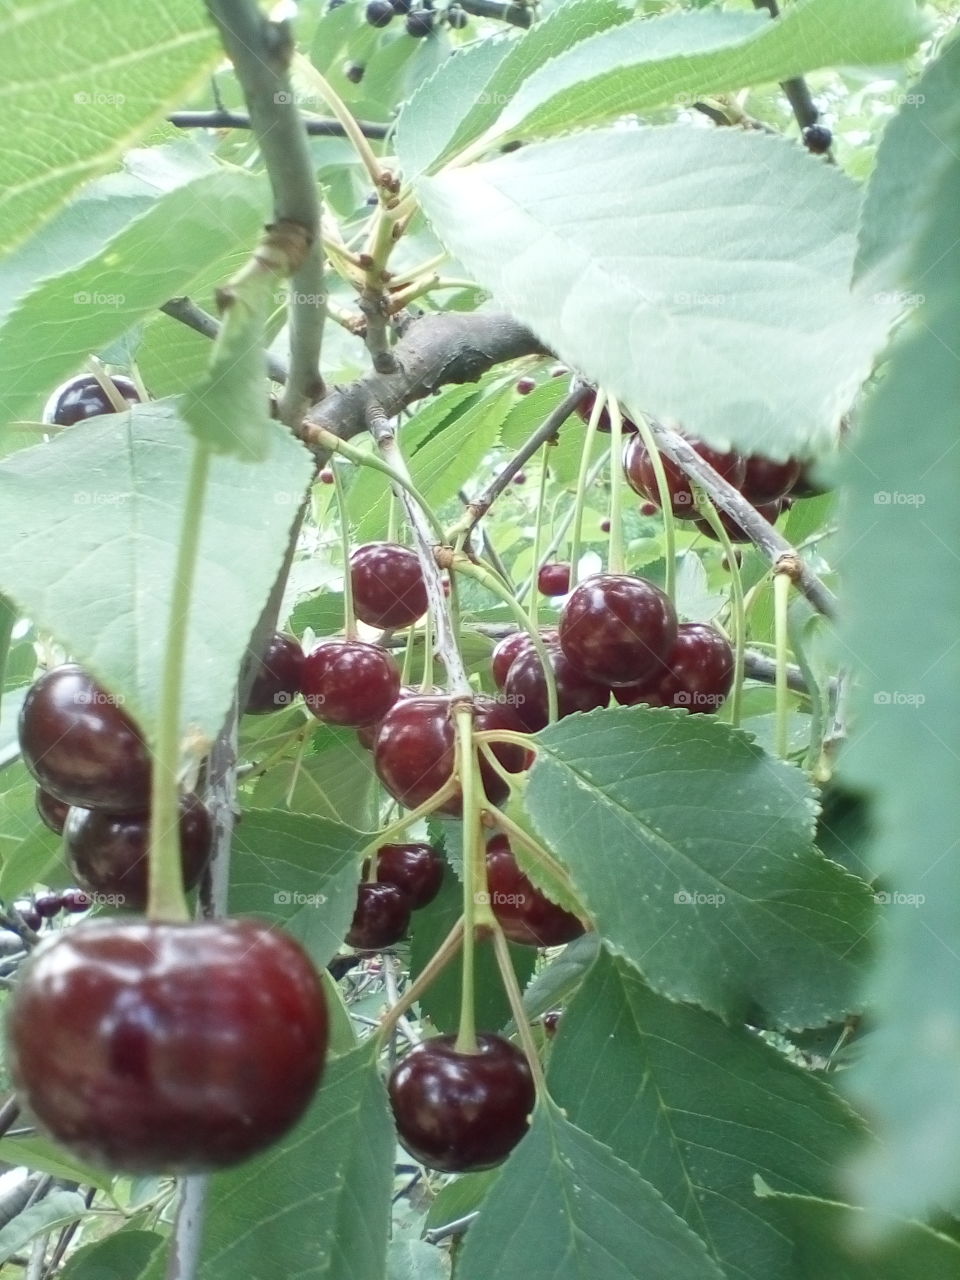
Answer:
(379, 13)
(817, 138)
(419, 23)
(456, 17)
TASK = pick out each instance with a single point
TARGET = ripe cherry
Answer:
(698, 673)
(381, 918)
(81, 746)
(388, 586)
(168, 1048)
(419, 23)
(379, 13)
(53, 812)
(554, 579)
(551, 1022)
(350, 682)
(354, 71)
(526, 688)
(415, 750)
(47, 905)
(457, 17)
(29, 914)
(83, 397)
(642, 478)
(616, 629)
(770, 511)
(75, 900)
(108, 852)
(506, 650)
(585, 409)
(415, 869)
(325, 476)
(604, 526)
(278, 676)
(766, 480)
(525, 385)
(817, 138)
(525, 914)
(461, 1112)
(649, 509)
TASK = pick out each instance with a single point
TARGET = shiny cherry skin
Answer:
(48, 905)
(388, 585)
(53, 812)
(526, 688)
(83, 398)
(551, 1022)
(81, 746)
(617, 629)
(554, 579)
(414, 752)
(108, 852)
(766, 480)
(29, 914)
(381, 918)
(168, 1048)
(419, 23)
(415, 869)
(349, 682)
(770, 511)
(75, 900)
(525, 914)
(506, 650)
(379, 13)
(525, 386)
(278, 676)
(642, 478)
(367, 733)
(460, 1112)
(698, 673)
(585, 408)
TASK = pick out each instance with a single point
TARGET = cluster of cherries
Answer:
(45, 906)
(419, 20)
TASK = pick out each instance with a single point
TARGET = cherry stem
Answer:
(349, 615)
(429, 806)
(666, 508)
(487, 736)
(737, 610)
(515, 998)
(615, 558)
(351, 129)
(427, 976)
(537, 536)
(491, 759)
(165, 898)
(474, 872)
(107, 384)
(521, 837)
(582, 485)
(560, 532)
(781, 600)
(814, 692)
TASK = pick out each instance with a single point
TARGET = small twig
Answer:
(518, 15)
(796, 89)
(374, 308)
(316, 126)
(67, 1234)
(455, 1228)
(194, 317)
(9, 1114)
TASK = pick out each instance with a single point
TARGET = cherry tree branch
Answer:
(797, 91)
(517, 15)
(316, 126)
(202, 322)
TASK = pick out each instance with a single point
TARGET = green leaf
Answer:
(89, 526)
(29, 852)
(698, 1109)
(39, 1153)
(337, 782)
(300, 871)
(900, 527)
(318, 1203)
(55, 1210)
(343, 1035)
(713, 838)
(826, 1243)
(8, 618)
(122, 1256)
(116, 76)
(415, 1260)
(564, 1205)
(459, 1197)
(553, 984)
(700, 250)
(156, 256)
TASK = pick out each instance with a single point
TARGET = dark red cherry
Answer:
(604, 526)
(649, 509)
(525, 386)
(770, 511)
(53, 812)
(168, 1048)
(48, 905)
(325, 476)
(554, 579)
(507, 649)
(278, 676)
(638, 468)
(367, 733)
(350, 682)
(108, 852)
(526, 688)
(379, 13)
(460, 1112)
(698, 674)
(83, 397)
(457, 17)
(415, 749)
(29, 914)
(75, 900)
(616, 629)
(817, 138)
(388, 585)
(415, 869)
(381, 918)
(419, 23)
(525, 914)
(766, 480)
(81, 746)
(551, 1022)
(585, 408)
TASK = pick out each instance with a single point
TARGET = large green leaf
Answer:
(699, 1109)
(155, 256)
(89, 526)
(122, 1256)
(672, 266)
(55, 1210)
(564, 1205)
(691, 847)
(80, 82)
(29, 851)
(335, 782)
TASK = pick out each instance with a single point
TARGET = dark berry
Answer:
(81, 746)
(648, 509)
(168, 1048)
(525, 915)
(617, 630)
(585, 409)
(83, 397)
(401, 6)
(29, 914)
(461, 1111)
(388, 585)
(638, 468)
(325, 476)
(526, 688)
(554, 579)
(604, 526)
(48, 905)
(354, 72)
(770, 511)
(766, 480)
(381, 918)
(75, 900)
(415, 869)
(520, 478)
(525, 385)
(698, 674)
(419, 23)
(456, 17)
(551, 1022)
(504, 654)
(53, 812)
(278, 676)
(817, 138)
(350, 682)
(379, 13)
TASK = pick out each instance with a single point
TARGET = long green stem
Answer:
(474, 873)
(738, 613)
(588, 439)
(537, 539)
(616, 558)
(429, 806)
(438, 962)
(165, 899)
(515, 998)
(349, 615)
(564, 523)
(781, 599)
(666, 508)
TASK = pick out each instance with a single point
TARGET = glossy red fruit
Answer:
(381, 918)
(525, 386)
(278, 676)
(168, 1048)
(506, 650)
(526, 688)
(48, 905)
(29, 914)
(698, 674)
(766, 480)
(325, 476)
(349, 682)
(415, 869)
(108, 852)
(554, 579)
(585, 408)
(770, 511)
(367, 733)
(75, 900)
(53, 812)
(638, 468)
(415, 749)
(616, 629)
(81, 746)
(525, 914)
(83, 397)
(649, 509)
(388, 586)
(604, 526)
(461, 1112)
